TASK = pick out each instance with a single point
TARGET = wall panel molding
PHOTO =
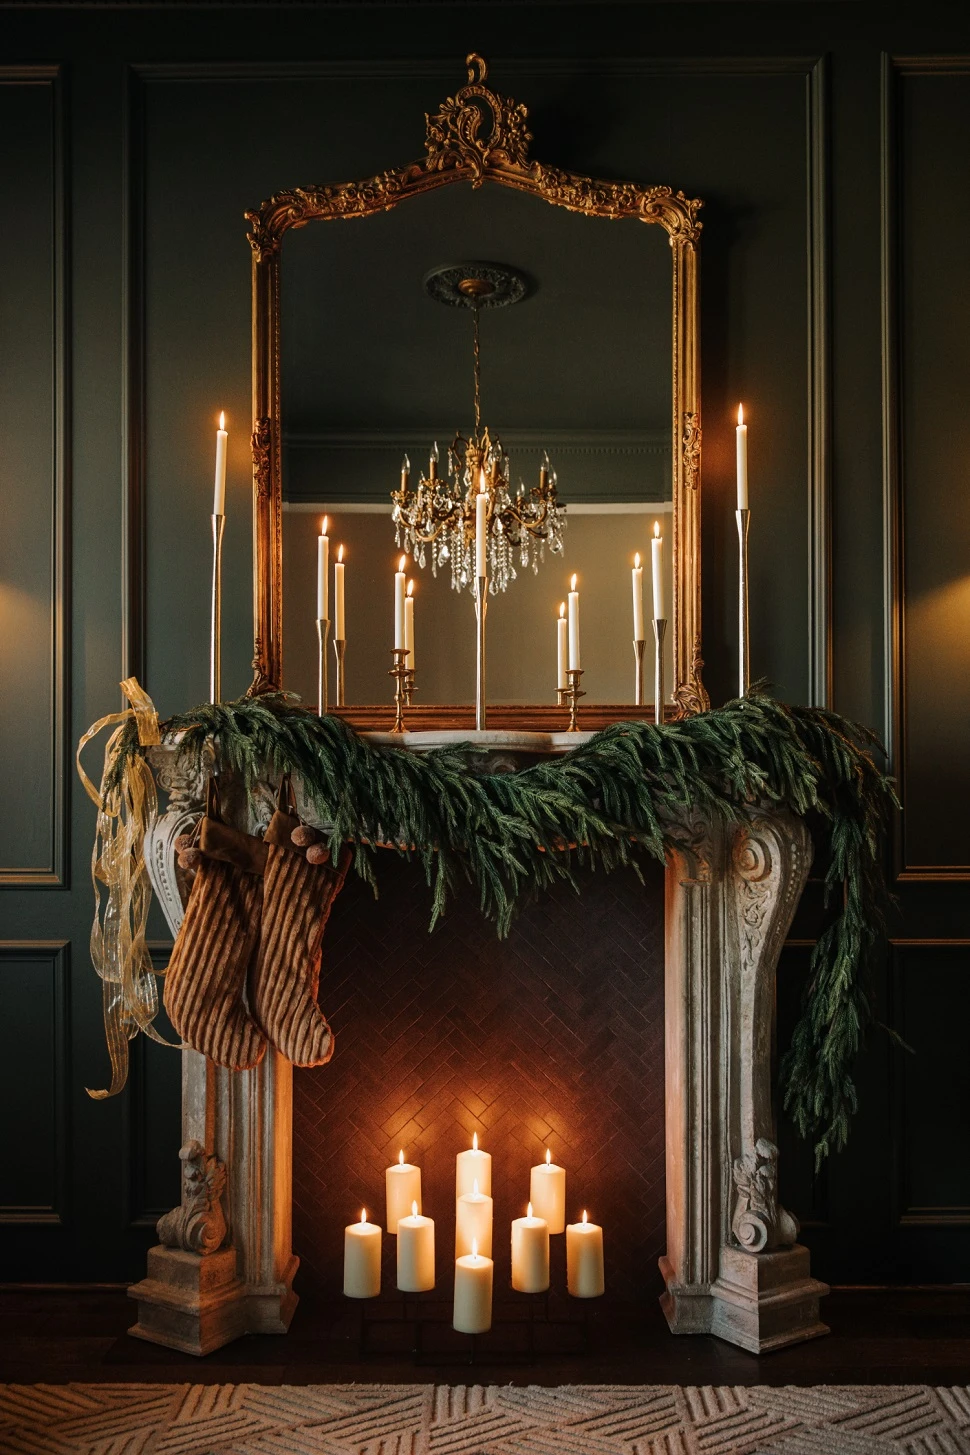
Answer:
(41, 1088)
(56, 871)
(894, 69)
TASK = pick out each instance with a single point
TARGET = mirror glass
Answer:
(373, 368)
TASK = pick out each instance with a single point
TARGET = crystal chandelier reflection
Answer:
(438, 518)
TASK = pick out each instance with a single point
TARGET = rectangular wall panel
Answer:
(933, 1082)
(927, 221)
(33, 1079)
(152, 1109)
(33, 392)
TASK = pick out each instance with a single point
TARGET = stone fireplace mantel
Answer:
(732, 1265)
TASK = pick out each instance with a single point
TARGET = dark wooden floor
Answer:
(899, 1337)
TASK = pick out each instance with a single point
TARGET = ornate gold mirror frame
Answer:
(478, 136)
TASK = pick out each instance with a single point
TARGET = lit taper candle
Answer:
(741, 434)
(222, 444)
(339, 619)
(481, 526)
(574, 661)
(562, 648)
(409, 623)
(400, 583)
(637, 574)
(323, 571)
(657, 571)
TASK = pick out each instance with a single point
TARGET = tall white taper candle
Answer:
(339, 619)
(637, 574)
(741, 435)
(399, 585)
(574, 656)
(481, 522)
(562, 649)
(657, 571)
(222, 442)
(323, 572)
(409, 624)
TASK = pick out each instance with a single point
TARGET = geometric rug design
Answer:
(403, 1419)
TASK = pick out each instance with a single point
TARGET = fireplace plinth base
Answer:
(765, 1301)
(188, 1301)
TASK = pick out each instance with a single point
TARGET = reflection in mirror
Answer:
(373, 368)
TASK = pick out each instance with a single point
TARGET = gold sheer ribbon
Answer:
(119, 950)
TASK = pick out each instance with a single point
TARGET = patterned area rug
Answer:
(403, 1419)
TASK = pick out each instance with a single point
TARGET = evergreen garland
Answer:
(604, 805)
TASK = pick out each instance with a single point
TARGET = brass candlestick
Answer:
(744, 648)
(215, 625)
(481, 607)
(561, 696)
(339, 651)
(323, 631)
(659, 692)
(400, 673)
(572, 694)
(639, 644)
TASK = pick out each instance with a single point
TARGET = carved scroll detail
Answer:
(691, 449)
(198, 1224)
(760, 1222)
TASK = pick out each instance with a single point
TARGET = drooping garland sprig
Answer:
(604, 805)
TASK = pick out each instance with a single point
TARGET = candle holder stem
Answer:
(481, 609)
(659, 690)
(323, 631)
(572, 695)
(744, 646)
(409, 686)
(340, 651)
(215, 625)
(400, 673)
(639, 646)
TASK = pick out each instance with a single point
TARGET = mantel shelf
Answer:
(492, 740)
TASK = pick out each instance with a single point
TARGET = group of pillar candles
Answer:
(474, 1266)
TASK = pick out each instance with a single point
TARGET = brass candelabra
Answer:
(400, 674)
(571, 696)
(323, 686)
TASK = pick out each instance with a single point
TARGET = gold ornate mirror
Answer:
(575, 354)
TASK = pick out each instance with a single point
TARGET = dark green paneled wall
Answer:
(836, 292)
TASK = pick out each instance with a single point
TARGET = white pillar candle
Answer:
(574, 661)
(473, 1223)
(530, 1253)
(657, 564)
(637, 574)
(473, 1294)
(339, 619)
(471, 1167)
(399, 584)
(362, 1259)
(222, 443)
(481, 523)
(547, 1193)
(584, 1259)
(561, 646)
(402, 1183)
(415, 1252)
(742, 443)
(323, 572)
(409, 623)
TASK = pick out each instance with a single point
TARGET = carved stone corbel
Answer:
(198, 1224)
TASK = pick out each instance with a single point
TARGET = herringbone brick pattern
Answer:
(551, 1038)
(409, 1419)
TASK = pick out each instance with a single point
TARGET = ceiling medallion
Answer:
(438, 518)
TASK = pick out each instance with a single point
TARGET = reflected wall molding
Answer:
(55, 873)
(894, 69)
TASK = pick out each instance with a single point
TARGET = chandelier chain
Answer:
(478, 368)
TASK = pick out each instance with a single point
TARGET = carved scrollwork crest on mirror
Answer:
(481, 137)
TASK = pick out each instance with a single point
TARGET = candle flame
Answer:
(636, 560)
(414, 1209)
(400, 1157)
(400, 564)
(585, 1216)
(740, 414)
(548, 1157)
(363, 1214)
(656, 530)
(222, 419)
(475, 1191)
(562, 609)
(340, 553)
(410, 588)
(326, 522)
(529, 1213)
(474, 1247)
(482, 487)
(474, 1141)
(572, 583)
